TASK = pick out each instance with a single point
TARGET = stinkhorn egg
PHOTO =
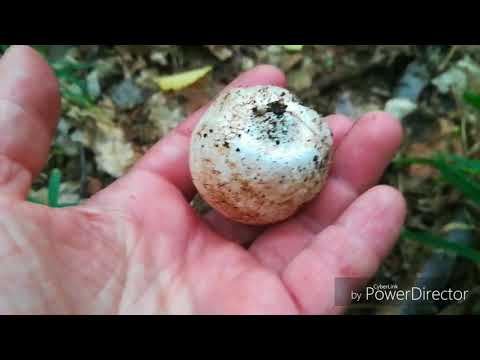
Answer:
(258, 155)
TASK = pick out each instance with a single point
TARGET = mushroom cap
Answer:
(257, 155)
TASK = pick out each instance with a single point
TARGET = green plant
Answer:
(70, 74)
(73, 85)
(441, 243)
(472, 99)
(459, 172)
(54, 183)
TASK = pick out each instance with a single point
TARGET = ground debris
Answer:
(127, 95)
(460, 77)
(222, 52)
(164, 114)
(113, 154)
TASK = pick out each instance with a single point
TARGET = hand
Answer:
(138, 247)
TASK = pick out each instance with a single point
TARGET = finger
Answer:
(29, 111)
(358, 163)
(169, 158)
(243, 234)
(352, 248)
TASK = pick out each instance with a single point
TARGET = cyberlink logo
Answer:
(392, 293)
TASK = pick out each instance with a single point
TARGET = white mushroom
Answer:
(257, 155)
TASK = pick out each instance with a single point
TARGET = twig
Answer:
(448, 58)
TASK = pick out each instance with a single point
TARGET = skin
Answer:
(137, 247)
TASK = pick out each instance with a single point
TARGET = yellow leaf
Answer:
(293, 47)
(457, 226)
(182, 80)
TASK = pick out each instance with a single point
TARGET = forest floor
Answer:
(116, 105)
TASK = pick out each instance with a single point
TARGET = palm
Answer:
(91, 269)
(139, 247)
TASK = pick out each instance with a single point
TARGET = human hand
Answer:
(138, 247)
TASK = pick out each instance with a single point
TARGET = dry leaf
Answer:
(293, 48)
(182, 80)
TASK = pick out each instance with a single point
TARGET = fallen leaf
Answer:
(182, 80)
(221, 52)
(400, 108)
(113, 153)
(293, 47)
(162, 114)
(461, 76)
(456, 226)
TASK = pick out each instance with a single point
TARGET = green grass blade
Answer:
(413, 161)
(472, 99)
(466, 164)
(459, 180)
(442, 244)
(69, 65)
(76, 95)
(72, 83)
(454, 172)
(54, 187)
